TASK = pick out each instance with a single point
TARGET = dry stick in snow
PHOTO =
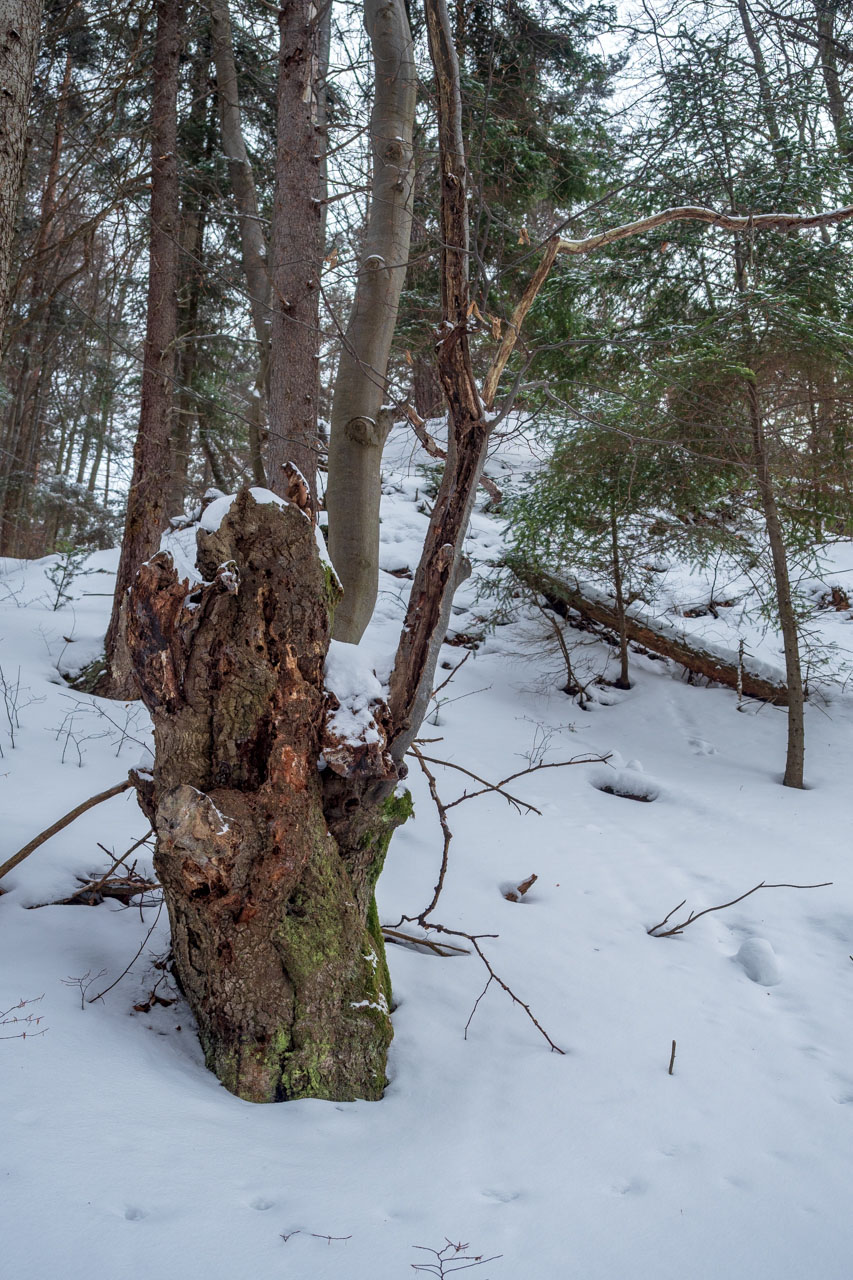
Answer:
(658, 931)
(61, 823)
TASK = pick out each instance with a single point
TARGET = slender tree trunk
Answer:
(297, 250)
(826, 11)
(624, 681)
(787, 617)
(359, 427)
(442, 565)
(191, 272)
(21, 442)
(253, 243)
(147, 496)
(20, 26)
(765, 93)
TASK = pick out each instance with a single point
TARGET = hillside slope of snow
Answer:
(121, 1155)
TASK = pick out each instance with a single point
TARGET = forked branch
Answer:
(659, 930)
(681, 213)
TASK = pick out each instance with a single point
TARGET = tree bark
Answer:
(624, 681)
(147, 496)
(253, 241)
(296, 249)
(276, 939)
(20, 25)
(359, 428)
(795, 756)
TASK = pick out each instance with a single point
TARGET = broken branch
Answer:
(59, 825)
(658, 931)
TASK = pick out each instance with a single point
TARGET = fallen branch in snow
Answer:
(660, 637)
(658, 931)
(474, 939)
(392, 932)
(12, 862)
(409, 939)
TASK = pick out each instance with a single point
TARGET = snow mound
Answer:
(759, 962)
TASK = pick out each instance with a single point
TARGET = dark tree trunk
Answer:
(21, 445)
(795, 757)
(297, 249)
(624, 681)
(20, 24)
(147, 497)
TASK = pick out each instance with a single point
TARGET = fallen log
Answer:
(655, 634)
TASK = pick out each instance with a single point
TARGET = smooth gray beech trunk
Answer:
(359, 427)
(20, 24)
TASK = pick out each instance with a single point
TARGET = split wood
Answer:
(658, 930)
(59, 825)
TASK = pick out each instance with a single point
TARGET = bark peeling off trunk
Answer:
(276, 942)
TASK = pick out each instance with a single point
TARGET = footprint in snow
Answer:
(260, 1203)
(758, 960)
(133, 1214)
(700, 747)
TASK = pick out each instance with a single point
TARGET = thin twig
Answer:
(658, 931)
(474, 939)
(445, 830)
(126, 971)
(487, 786)
(447, 680)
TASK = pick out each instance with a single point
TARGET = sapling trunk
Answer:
(623, 682)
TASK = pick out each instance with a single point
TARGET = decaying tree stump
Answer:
(275, 934)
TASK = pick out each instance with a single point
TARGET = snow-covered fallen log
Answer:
(659, 636)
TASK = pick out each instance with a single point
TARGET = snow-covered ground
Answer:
(122, 1156)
